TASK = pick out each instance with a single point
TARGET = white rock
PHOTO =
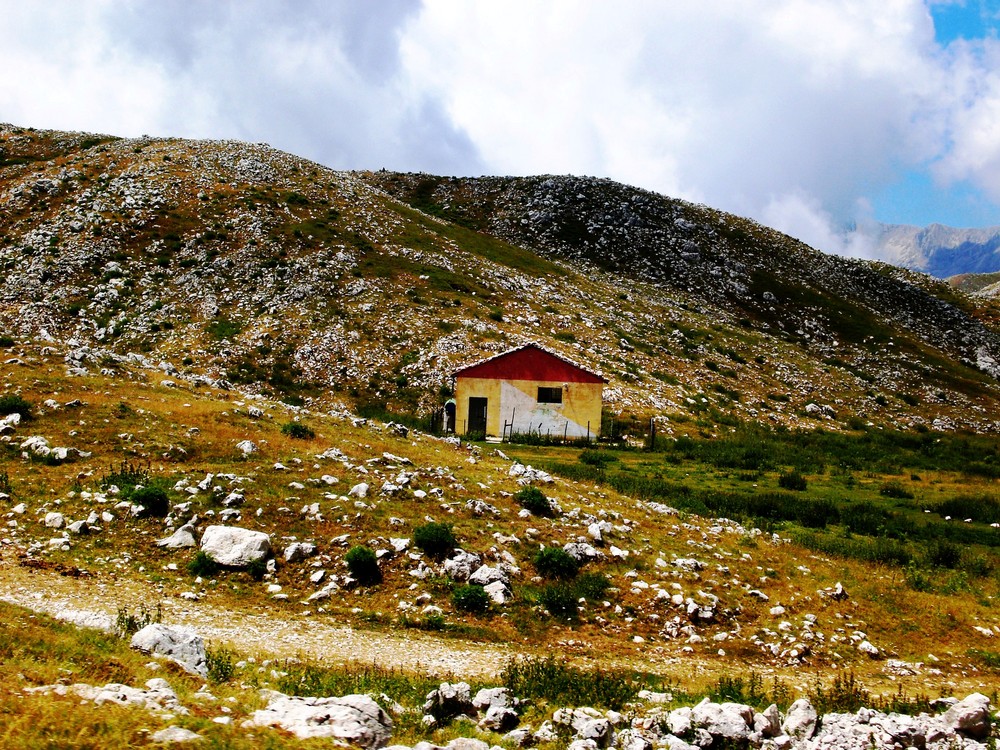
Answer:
(235, 547)
(180, 645)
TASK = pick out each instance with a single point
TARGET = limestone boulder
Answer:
(235, 547)
(180, 645)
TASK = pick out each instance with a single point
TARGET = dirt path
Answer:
(270, 634)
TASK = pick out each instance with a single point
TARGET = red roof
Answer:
(529, 362)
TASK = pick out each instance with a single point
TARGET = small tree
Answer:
(435, 539)
(363, 565)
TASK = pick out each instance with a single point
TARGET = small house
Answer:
(528, 390)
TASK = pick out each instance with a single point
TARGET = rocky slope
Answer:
(239, 264)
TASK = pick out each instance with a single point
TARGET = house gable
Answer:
(530, 362)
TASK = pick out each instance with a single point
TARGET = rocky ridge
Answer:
(239, 264)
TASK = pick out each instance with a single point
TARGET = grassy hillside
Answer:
(674, 591)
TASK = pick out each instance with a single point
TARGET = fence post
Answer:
(652, 434)
(588, 430)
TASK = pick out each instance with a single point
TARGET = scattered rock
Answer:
(180, 645)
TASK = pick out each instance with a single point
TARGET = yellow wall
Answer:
(581, 404)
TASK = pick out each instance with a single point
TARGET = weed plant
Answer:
(751, 691)
(298, 431)
(127, 623)
(555, 562)
(846, 695)
(203, 564)
(560, 683)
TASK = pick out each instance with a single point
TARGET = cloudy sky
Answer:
(808, 115)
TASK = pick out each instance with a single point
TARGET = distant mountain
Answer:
(939, 250)
(236, 264)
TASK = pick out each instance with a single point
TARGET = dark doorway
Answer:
(477, 415)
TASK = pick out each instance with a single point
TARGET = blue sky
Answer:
(972, 19)
(916, 198)
(807, 115)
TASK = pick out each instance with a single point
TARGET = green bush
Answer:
(534, 500)
(203, 564)
(363, 565)
(126, 478)
(471, 598)
(592, 586)
(435, 539)
(6, 342)
(792, 481)
(594, 457)
(127, 623)
(221, 664)
(555, 562)
(153, 499)
(943, 554)
(896, 490)
(298, 431)
(14, 404)
(257, 568)
(560, 600)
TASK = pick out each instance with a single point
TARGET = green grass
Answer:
(880, 518)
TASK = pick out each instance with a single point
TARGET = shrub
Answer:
(14, 404)
(257, 568)
(593, 457)
(560, 600)
(554, 562)
(435, 539)
(298, 431)
(865, 518)
(471, 598)
(363, 565)
(896, 490)
(944, 554)
(126, 478)
(816, 514)
(792, 481)
(6, 342)
(153, 499)
(203, 564)
(534, 500)
(560, 683)
(592, 586)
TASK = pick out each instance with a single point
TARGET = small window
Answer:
(549, 395)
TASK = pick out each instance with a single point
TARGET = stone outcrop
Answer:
(180, 645)
(356, 720)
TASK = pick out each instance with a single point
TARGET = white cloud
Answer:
(789, 111)
(317, 78)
